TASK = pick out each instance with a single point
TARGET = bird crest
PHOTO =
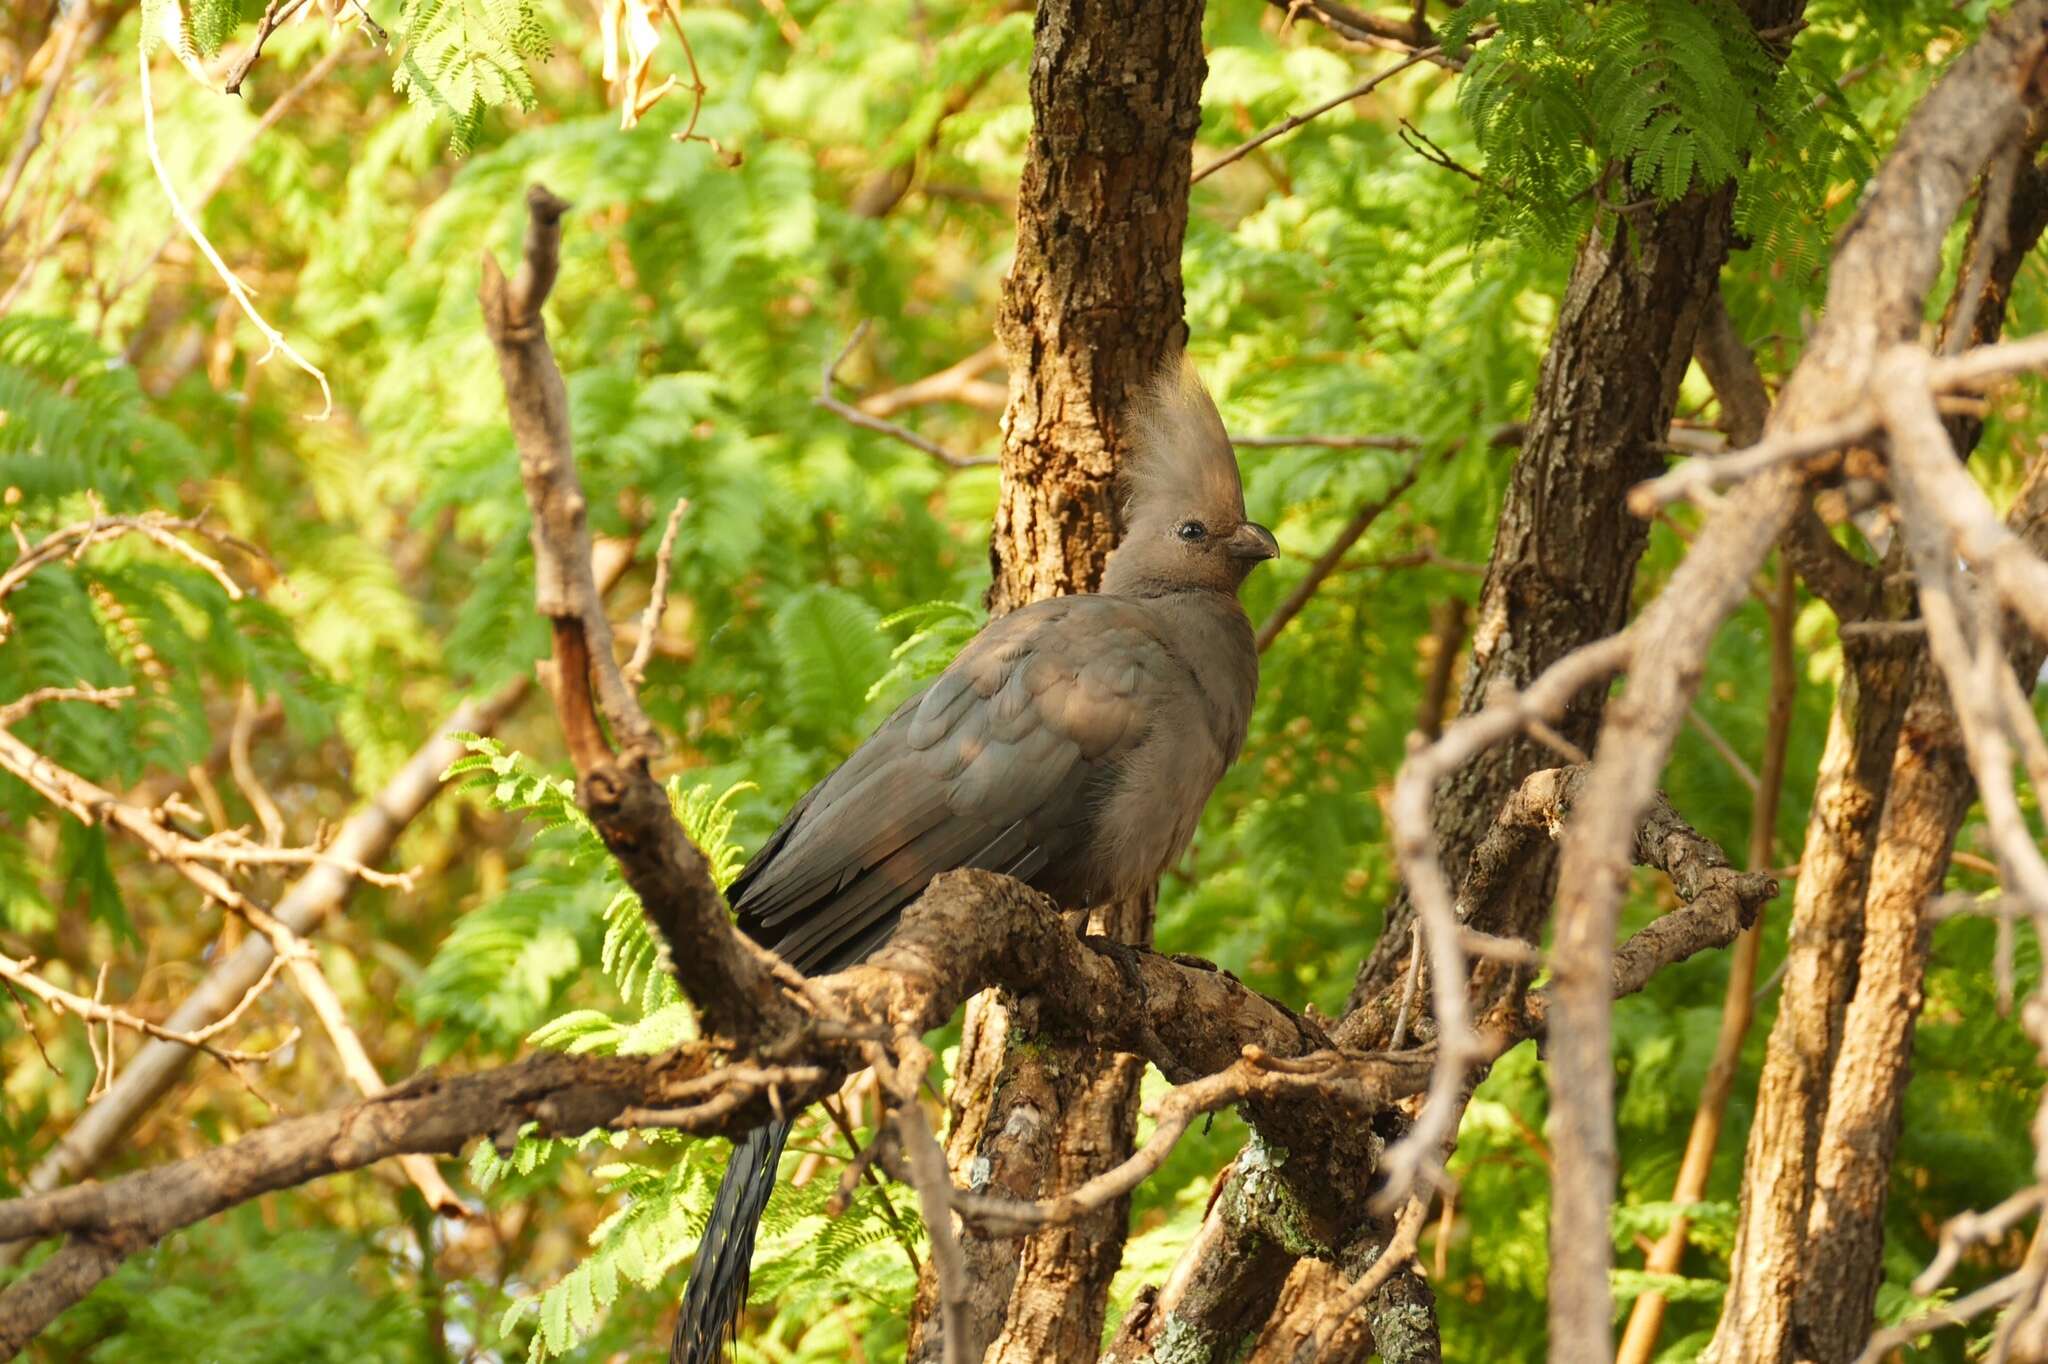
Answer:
(1181, 455)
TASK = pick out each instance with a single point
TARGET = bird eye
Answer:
(1192, 531)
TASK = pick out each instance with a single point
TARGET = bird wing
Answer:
(1000, 764)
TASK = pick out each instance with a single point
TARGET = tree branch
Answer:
(1326, 562)
(736, 985)
(847, 412)
(1293, 121)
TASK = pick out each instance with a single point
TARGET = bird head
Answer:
(1184, 518)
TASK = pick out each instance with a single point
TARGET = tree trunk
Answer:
(1820, 967)
(1091, 307)
(1745, 408)
(1093, 301)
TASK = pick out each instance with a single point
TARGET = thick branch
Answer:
(732, 981)
(1201, 1026)
(970, 930)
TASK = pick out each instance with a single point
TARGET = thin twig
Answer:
(635, 671)
(244, 771)
(847, 412)
(959, 382)
(275, 15)
(79, 30)
(1742, 770)
(20, 973)
(862, 1167)
(110, 697)
(272, 115)
(1294, 121)
(238, 291)
(926, 1161)
(1400, 1037)
(1340, 545)
(1415, 846)
(1400, 1249)
(1994, 218)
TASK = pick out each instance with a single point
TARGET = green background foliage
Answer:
(1337, 282)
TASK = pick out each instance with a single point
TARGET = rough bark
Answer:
(1398, 1325)
(1093, 300)
(1563, 565)
(1931, 791)
(1814, 1178)
(1889, 258)
(1820, 969)
(1091, 307)
(1204, 1030)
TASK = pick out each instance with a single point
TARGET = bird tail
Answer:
(718, 1281)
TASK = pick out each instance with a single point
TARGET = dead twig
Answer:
(1293, 121)
(275, 16)
(959, 382)
(847, 412)
(20, 974)
(635, 671)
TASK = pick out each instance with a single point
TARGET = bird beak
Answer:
(1253, 542)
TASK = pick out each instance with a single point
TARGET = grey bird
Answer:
(1071, 744)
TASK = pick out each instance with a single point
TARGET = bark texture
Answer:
(1745, 407)
(1093, 300)
(1091, 307)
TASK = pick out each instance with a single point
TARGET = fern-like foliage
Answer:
(1576, 107)
(463, 58)
(938, 630)
(77, 421)
(196, 28)
(77, 438)
(831, 653)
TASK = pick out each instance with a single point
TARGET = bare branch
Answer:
(21, 974)
(244, 772)
(1961, 1312)
(959, 382)
(1876, 291)
(635, 671)
(1326, 562)
(71, 541)
(846, 411)
(76, 32)
(17, 710)
(1698, 478)
(275, 15)
(1415, 847)
(737, 985)
(1293, 121)
(1945, 511)
(969, 930)
(1399, 1250)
